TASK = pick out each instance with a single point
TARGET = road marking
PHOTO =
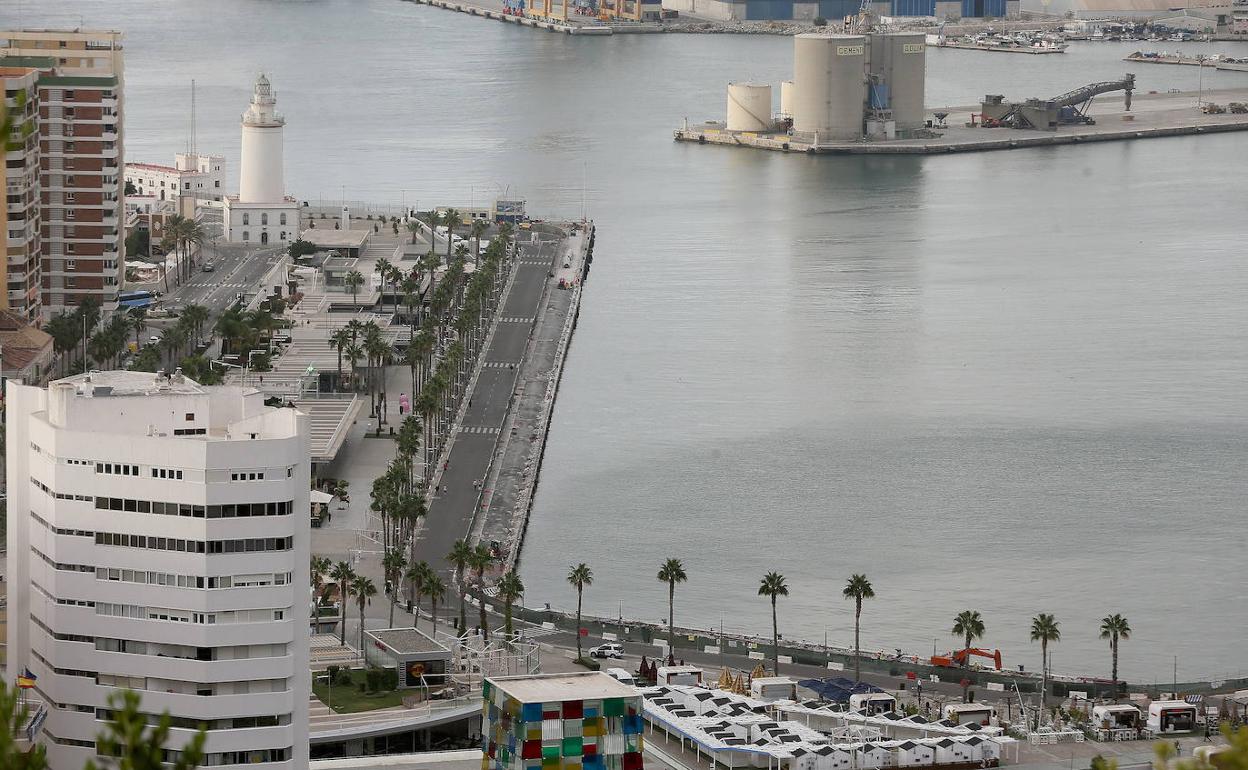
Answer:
(478, 429)
(516, 320)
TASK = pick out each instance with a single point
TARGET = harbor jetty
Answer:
(485, 478)
(960, 130)
(993, 45)
(1215, 61)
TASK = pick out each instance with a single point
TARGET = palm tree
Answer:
(480, 561)
(340, 339)
(1113, 628)
(138, 322)
(437, 591)
(1044, 629)
(318, 568)
(580, 576)
(672, 572)
(772, 585)
(364, 591)
(354, 354)
(353, 281)
(343, 574)
(383, 268)
(452, 219)
(196, 316)
(459, 557)
(510, 588)
(858, 588)
(968, 625)
(393, 564)
(413, 227)
(418, 577)
(477, 229)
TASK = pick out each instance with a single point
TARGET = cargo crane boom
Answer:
(1065, 109)
(1081, 98)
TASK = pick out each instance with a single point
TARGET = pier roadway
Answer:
(451, 508)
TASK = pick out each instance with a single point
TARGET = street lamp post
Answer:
(1200, 79)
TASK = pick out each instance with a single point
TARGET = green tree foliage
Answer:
(131, 745)
(300, 248)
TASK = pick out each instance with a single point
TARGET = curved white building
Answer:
(158, 541)
(262, 213)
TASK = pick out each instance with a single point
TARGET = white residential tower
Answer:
(158, 541)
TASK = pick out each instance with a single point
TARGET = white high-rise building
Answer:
(158, 540)
(261, 213)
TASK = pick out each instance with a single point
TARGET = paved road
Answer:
(237, 270)
(450, 513)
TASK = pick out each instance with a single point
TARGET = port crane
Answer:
(1065, 109)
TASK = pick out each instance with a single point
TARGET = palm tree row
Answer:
(465, 307)
(179, 235)
(69, 330)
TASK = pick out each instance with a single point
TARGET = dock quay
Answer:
(1152, 116)
(971, 46)
(496, 13)
(1218, 62)
(483, 487)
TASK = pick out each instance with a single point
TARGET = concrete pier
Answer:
(494, 11)
(1152, 116)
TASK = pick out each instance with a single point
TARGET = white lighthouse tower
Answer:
(261, 213)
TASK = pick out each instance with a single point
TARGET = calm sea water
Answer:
(1011, 382)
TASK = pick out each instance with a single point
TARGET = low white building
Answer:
(201, 177)
(158, 540)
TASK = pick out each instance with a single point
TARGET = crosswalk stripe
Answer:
(516, 320)
(477, 429)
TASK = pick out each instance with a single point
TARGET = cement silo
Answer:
(749, 107)
(786, 98)
(829, 76)
(898, 62)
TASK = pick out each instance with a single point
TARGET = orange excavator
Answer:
(960, 657)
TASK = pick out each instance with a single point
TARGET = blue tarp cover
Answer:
(837, 689)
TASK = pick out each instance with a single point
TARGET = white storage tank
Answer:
(898, 60)
(786, 98)
(749, 107)
(829, 85)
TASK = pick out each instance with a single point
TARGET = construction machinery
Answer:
(960, 657)
(1070, 108)
(1209, 108)
(861, 22)
(1238, 108)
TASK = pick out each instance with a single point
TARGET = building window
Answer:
(264, 219)
(187, 185)
(246, 218)
(283, 235)
(190, 417)
(282, 218)
(246, 236)
(217, 183)
(69, 264)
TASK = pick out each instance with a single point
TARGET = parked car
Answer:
(608, 650)
(208, 267)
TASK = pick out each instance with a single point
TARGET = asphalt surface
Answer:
(237, 270)
(451, 511)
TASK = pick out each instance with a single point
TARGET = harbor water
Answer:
(1011, 382)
